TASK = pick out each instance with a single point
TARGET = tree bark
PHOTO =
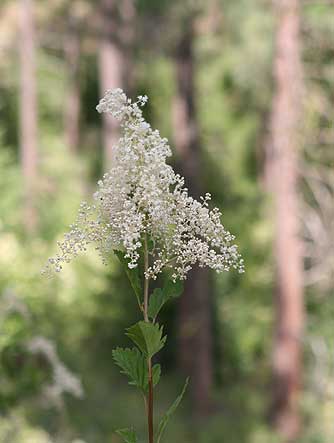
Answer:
(194, 311)
(114, 60)
(283, 167)
(28, 112)
(72, 111)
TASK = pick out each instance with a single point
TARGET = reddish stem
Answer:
(150, 403)
(149, 362)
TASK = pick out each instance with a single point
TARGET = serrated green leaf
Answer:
(128, 435)
(134, 365)
(165, 419)
(147, 336)
(132, 274)
(160, 296)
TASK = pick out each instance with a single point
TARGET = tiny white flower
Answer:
(142, 195)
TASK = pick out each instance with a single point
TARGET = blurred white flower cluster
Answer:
(64, 381)
(142, 197)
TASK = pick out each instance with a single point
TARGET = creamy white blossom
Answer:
(142, 197)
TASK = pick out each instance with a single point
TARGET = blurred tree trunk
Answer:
(115, 59)
(128, 16)
(72, 110)
(28, 111)
(283, 169)
(194, 315)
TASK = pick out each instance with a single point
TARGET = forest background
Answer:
(244, 90)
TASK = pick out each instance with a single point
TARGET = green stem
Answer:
(149, 361)
(146, 280)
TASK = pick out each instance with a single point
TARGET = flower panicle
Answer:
(141, 196)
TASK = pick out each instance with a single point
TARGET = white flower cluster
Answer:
(142, 197)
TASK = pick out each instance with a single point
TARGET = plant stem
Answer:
(149, 361)
(150, 403)
(146, 280)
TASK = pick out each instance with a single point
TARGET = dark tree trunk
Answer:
(194, 315)
(28, 112)
(72, 110)
(283, 170)
(114, 60)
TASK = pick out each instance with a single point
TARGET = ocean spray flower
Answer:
(142, 196)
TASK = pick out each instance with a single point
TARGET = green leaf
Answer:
(156, 372)
(132, 274)
(156, 302)
(128, 435)
(173, 289)
(134, 365)
(147, 336)
(150, 244)
(160, 296)
(165, 419)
